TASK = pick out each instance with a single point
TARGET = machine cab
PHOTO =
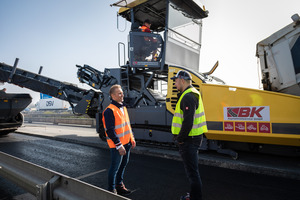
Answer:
(172, 39)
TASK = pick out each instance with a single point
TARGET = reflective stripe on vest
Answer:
(121, 135)
(122, 126)
(199, 123)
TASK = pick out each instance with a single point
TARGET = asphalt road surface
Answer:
(151, 178)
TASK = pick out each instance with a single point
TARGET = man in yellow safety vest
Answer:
(188, 126)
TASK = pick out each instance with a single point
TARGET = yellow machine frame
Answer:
(257, 116)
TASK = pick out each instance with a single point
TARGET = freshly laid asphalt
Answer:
(279, 166)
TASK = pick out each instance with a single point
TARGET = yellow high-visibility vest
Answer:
(199, 124)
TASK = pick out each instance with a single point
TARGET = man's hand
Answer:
(122, 151)
(133, 144)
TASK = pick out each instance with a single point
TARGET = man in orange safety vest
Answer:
(120, 139)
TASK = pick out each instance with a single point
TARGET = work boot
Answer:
(122, 190)
(186, 197)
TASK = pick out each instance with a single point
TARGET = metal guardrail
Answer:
(46, 184)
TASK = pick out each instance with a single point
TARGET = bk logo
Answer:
(244, 112)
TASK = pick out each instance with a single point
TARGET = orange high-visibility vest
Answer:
(145, 29)
(122, 126)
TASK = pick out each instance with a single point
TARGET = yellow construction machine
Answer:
(238, 118)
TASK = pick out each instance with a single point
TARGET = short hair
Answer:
(188, 81)
(113, 88)
(147, 21)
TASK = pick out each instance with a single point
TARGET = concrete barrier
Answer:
(58, 120)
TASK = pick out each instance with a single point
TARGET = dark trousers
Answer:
(117, 167)
(189, 154)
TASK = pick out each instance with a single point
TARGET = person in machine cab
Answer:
(150, 44)
(146, 26)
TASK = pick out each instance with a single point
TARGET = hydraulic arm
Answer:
(82, 101)
(94, 78)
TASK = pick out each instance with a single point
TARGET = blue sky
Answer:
(58, 34)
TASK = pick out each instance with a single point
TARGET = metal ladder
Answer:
(125, 80)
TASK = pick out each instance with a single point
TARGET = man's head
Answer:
(116, 93)
(182, 80)
(147, 23)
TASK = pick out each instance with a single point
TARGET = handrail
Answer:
(46, 184)
(185, 37)
(119, 48)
